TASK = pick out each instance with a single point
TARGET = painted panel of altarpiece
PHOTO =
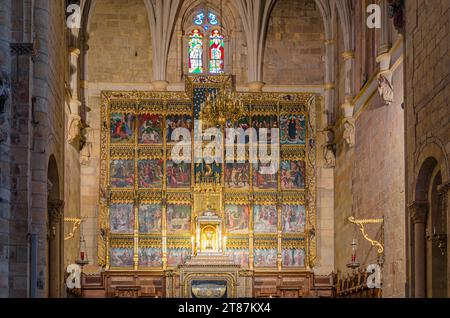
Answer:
(150, 173)
(122, 173)
(292, 175)
(178, 175)
(265, 218)
(150, 129)
(237, 175)
(293, 218)
(150, 257)
(121, 257)
(293, 129)
(293, 257)
(178, 218)
(150, 218)
(122, 128)
(239, 256)
(177, 256)
(148, 204)
(177, 121)
(236, 218)
(121, 218)
(265, 257)
(267, 179)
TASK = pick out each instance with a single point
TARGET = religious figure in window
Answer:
(196, 52)
(216, 53)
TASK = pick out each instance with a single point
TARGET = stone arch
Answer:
(428, 209)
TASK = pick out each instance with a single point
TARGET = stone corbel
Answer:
(86, 148)
(74, 126)
(329, 149)
(349, 131)
(385, 86)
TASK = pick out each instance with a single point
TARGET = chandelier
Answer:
(220, 106)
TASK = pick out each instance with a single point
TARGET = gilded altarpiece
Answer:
(149, 203)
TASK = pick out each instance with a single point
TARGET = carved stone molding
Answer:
(55, 210)
(418, 211)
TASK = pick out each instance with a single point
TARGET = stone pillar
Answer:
(55, 247)
(5, 147)
(419, 211)
(444, 190)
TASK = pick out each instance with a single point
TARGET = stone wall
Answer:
(427, 75)
(120, 48)
(294, 45)
(369, 177)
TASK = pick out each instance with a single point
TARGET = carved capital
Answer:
(55, 210)
(418, 211)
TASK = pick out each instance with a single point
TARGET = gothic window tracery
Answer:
(206, 57)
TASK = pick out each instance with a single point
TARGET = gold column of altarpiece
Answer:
(200, 194)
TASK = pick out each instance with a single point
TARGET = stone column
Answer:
(419, 211)
(444, 190)
(56, 246)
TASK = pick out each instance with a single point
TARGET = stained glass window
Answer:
(196, 52)
(216, 53)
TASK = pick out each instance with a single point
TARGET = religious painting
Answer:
(178, 218)
(177, 256)
(292, 175)
(121, 218)
(293, 129)
(122, 173)
(178, 175)
(236, 218)
(150, 129)
(237, 175)
(216, 53)
(150, 173)
(150, 257)
(177, 121)
(195, 51)
(239, 256)
(293, 257)
(122, 128)
(265, 257)
(264, 122)
(265, 176)
(241, 135)
(265, 218)
(293, 218)
(121, 257)
(150, 218)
